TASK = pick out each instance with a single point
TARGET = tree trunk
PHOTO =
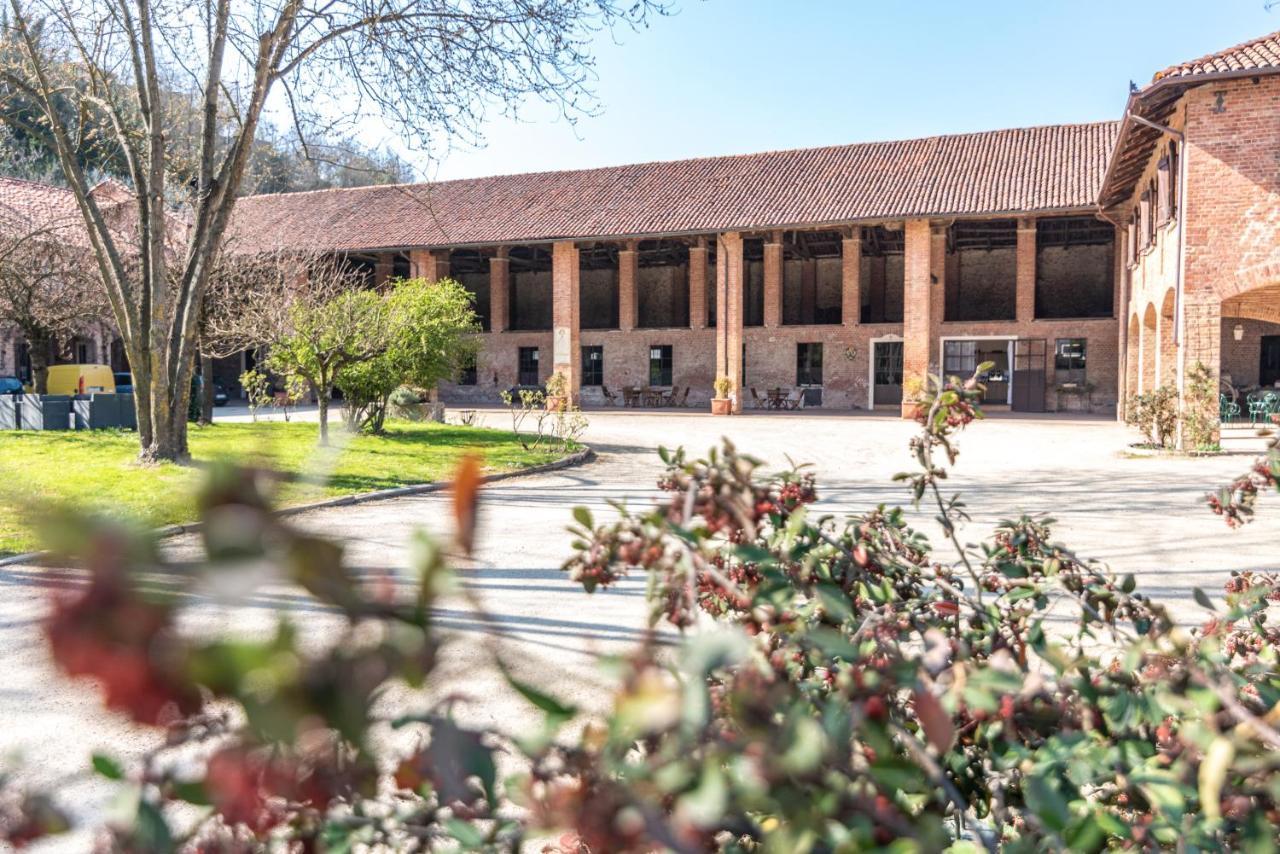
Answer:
(38, 353)
(206, 390)
(322, 402)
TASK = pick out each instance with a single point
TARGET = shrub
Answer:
(1200, 415)
(723, 387)
(1154, 414)
(406, 402)
(841, 686)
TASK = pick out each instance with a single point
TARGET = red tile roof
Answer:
(1056, 167)
(1257, 54)
(31, 209)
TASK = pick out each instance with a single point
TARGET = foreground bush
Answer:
(842, 686)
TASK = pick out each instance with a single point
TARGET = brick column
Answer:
(566, 354)
(850, 278)
(773, 280)
(729, 312)
(1026, 270)
(1120, 308)
(628, 304)
(499, 290)
(383, 268)
(917, 309)
(698, 284)
(429, 264)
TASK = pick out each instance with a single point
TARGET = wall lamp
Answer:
(1238, 332)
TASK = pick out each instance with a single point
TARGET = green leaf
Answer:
(1047, 802)
(1201, 599)
(468, 835)
(151, 830)
(107, 767)
(583, 517)
(556, 712)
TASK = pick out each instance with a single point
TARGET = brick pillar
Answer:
(383, 268)
(1026, 270)
(850, 278)
(429, 264)
(773, 280)
(917, 309)
(566, 354)
(729, 312)
(698, 284)
(1127, 347)
(628, 304)
(499, 290)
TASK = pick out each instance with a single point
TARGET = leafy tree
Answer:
(182, 90)
(325, 338)
(428, 341)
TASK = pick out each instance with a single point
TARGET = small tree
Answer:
(1154, 414)
(47, 288)
(1200, 409)
(427, 341)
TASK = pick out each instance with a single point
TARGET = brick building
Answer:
(1087, 262)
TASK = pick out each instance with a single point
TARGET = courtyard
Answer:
(1139, 514)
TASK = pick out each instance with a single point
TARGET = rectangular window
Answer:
(1144, 220)
(1131, 241)
(528, 366)
(1163, 191)
(660, 364)
(1068, 360)
(467, 373)
(808, 364)
(593, 365)
(959, 358)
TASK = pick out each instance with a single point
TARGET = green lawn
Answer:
(97, 470)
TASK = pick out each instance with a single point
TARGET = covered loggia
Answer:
(598, 286)
(982, 270)
(811, 277)
(470, 268)
(530, 283)
(1075, 267)
(881, 274)
(662, 284)
(753, 281)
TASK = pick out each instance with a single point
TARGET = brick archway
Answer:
(1167, 358)
(1147, 349)
(1260, 303)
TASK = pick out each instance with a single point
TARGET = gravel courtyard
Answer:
(1141, 515)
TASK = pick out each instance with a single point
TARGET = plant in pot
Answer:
(913, 397)
(557, 392)
(721, 404)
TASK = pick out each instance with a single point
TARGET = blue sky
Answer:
(734, 76)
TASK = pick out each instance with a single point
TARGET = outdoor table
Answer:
(776, 398)
(631, 397)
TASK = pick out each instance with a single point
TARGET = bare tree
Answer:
(429, 69)
(49, 289)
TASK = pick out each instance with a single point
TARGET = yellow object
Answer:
(81, 379)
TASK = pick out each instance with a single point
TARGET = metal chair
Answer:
(757, 402)
(1258, 407)
(684, 398)
(609, 397)
(1228, 409)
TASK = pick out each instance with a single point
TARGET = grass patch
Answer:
(98, 470)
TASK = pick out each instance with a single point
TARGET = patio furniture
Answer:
(1228, 409)
(609, 397)
(793, 400)
(684, 398)
(652, 396)
(1259, 405)
(757, 401)
(775, 398)
(631, 397)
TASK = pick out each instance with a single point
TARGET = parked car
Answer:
(11, 385)
(124, 382)
(80, 379)
(219, 395)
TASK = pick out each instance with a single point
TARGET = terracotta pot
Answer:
(557, 403)
(911, 411)
(721, 406)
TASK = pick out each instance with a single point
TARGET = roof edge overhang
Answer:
(702, 232)
(1179, 84)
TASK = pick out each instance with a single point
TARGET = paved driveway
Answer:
(1142, 515)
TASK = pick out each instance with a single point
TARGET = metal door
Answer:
(1030, 356)
(887, 373)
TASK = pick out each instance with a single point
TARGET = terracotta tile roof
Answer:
(997, 172)
(1256, 54)
(31, 209)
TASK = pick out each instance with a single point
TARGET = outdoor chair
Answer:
(1228, 409)
(757, 401)
(1259, 407)
(609, 397)
(684, 398)
(794, 400)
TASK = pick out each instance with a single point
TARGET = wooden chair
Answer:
(609, 397)
(757, 402)
(794, 400)
(684, 397)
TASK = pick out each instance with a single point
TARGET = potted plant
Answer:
(557, 392)
(721, 404)
(913, 397)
